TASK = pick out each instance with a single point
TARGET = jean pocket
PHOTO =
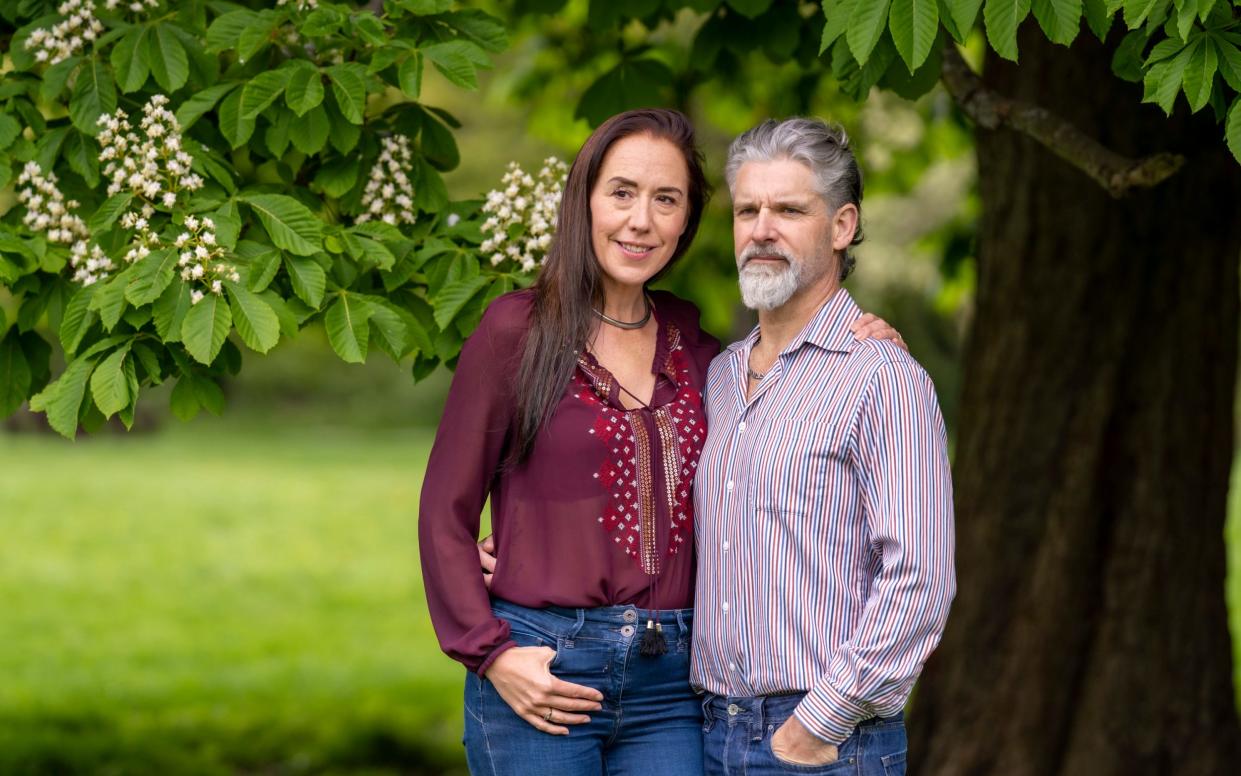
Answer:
(893, 764)
(842, 764)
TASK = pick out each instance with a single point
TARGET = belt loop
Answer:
(758, 718)
(577, 626)
(683, 631)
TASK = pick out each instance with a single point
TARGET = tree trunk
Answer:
(1090, 636)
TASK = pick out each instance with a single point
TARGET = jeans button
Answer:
(733, 709)
(630, 615)
(627, 631)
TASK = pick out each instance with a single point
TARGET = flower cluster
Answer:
(48, 212)
(78, 27)
(389, 194)
(67, 37)
(153, 166)
(202, 258)
(522, 215)
(302, 5)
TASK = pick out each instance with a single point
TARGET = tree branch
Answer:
(1116, 173)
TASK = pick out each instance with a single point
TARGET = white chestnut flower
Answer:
(389, 195)
(521, 215)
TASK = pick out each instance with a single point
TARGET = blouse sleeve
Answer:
(463, 466)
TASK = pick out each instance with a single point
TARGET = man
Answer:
(823, 495)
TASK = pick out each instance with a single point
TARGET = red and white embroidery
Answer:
(672, 434)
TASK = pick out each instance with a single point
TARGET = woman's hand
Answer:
(522, 677)
(871, 326)
(487, 558)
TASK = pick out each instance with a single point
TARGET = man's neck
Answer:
(780, 325)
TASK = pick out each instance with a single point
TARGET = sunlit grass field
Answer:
(213, 600)
(216, 599)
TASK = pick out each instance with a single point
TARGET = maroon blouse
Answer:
(600, 514)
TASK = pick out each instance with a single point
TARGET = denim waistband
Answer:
(569, 622)
(757, 709)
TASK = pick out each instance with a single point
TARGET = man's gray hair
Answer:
(822, 147)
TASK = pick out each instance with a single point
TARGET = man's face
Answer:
(782, 232)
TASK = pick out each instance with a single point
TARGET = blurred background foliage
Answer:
(241, 594)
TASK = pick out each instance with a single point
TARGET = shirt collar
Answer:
(828, 329)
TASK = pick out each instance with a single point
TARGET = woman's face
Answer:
(638, 209)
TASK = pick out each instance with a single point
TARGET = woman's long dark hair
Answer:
(569, 283)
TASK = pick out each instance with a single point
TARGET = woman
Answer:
(576, 406)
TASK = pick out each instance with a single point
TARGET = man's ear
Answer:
(844, 226)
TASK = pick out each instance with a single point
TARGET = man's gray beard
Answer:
(765, 286)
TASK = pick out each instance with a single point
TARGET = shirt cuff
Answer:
(495, 653)
(829, 715)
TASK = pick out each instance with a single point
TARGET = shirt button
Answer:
(741, 426)
(732, 666)
(729, 486)
(724, 546)
(724, 606)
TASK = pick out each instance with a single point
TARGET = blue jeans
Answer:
(738, 740)
(651, 722)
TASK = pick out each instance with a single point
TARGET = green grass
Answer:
(218, 599)
(210, 600)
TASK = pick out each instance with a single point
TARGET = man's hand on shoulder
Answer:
(793, 743)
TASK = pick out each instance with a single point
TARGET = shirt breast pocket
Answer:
(799, 465)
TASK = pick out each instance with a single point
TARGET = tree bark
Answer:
(1090, 637)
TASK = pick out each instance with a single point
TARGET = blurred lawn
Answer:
(220, 599)
(215, 600)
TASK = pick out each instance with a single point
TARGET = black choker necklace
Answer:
(626, 324)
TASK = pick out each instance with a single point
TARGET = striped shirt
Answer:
(825, 529)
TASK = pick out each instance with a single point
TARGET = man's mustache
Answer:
(765, 251)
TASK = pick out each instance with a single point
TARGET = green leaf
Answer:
(261, 91)
(109, 384)
(254, 319)
(345, 134)
(55, 78)
(914, 25)
(392, 324)
(254, 37)
(94, 94)
(129, 57)
(866, 26)
(1060, 19)
(307, 278)
(631, 84)
(235, 128)
(409, 75)
(1138, 11)
(438, 145)
(1229, 62)
(226, 29)
(337, 177)
(1232, 129)
(479, 26)
(425, 7)
(277, 135)
(152, 275)
(1199, 76)
(290, 223)
(1163, 81)
(347, 328)
(9, 130)
(48, 146)
(305, 88)
(182, 401)
(309, 132)
(1002, 18)
(167, 58)
(77, 319)
(1186, 14)
(384, 58)
(1098, 17)
(458, 60)
(109, 299)
(150, 363)
(1127, 59)
(262, 261)
(911, 86)
(62, 400)
(200, 102)
(205, 327)
(453, 296)
(83, 156)
(750, 8)
(349, 89)
(170, 310)
(15, 376)
(964, 13)
(838, 13)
